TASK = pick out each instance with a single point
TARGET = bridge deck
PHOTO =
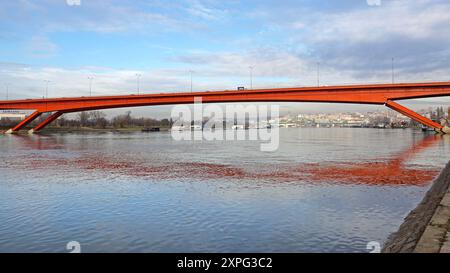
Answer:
(381, 94)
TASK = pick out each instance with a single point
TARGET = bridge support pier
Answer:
(24, 122)
(415, 116)
(446, 130)
(46, 122)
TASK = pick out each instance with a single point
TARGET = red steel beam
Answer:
(360, 94)
(411, 114)
(47, 121)
(24, 122)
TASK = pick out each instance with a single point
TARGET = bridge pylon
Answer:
(47, 121)
(24, 122)
(415, 116)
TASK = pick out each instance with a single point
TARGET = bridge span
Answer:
(377, 94)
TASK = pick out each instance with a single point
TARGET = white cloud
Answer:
(267, 62)
(41, 47)
(104, 16)
(199, 9)
(412, 19)
(29, 81)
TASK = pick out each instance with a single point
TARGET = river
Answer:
(323, 190)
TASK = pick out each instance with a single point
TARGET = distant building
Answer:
(12, 115)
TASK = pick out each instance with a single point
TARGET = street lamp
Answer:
(191, 72)
(318, 74)
(46, 88)
(138, 76)
(91, 78)
(251, 77)
(7, 91)
(392, 71)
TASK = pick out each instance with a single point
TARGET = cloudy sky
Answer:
(113, 40)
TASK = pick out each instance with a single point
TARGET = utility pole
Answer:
(251, 77)
(46, 88)
(91, 78)
(138, 83)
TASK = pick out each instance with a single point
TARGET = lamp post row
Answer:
(138, 77)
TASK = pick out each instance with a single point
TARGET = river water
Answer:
(323, 190)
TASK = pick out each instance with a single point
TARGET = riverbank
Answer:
(139, 129)
(426, 228)
(88, 129)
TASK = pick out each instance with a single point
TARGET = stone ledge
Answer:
(446, 200)
(431, 240)
(441, 216)
(416, 234)
(435, 238)
(446, 246)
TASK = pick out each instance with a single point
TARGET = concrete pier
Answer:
(446, 130)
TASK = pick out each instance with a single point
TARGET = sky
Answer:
(285, 41)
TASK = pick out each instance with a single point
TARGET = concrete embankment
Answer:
(426, 228)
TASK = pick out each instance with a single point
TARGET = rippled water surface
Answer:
(323, 190)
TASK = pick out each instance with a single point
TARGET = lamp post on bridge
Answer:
(191, 72)
(91, 78)
(7, 91)
(251, 77)
(191, 75)
(46, 88)
(318, 74)
(392, 70)
(138, 78)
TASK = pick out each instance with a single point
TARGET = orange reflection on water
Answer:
(380, 172)
(376, 173)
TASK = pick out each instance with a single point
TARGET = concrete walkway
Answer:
(427, 228)
(436, 235)
(446, 246)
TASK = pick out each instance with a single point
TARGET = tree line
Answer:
(99, 120)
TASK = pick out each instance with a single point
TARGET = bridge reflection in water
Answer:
(391, 170)
(388, 171)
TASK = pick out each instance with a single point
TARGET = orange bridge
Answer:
(378, 94)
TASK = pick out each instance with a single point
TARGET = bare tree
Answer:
(98, 119)
(84, 118)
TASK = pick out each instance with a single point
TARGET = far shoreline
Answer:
(161, 129)
(86, 130)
